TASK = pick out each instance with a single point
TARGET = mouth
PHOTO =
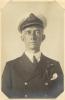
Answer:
(33, 43)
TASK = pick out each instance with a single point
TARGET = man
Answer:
(32, 75)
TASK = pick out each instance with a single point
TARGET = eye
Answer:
(28, 32)
(37, 32)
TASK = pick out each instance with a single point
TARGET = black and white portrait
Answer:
(32, 50)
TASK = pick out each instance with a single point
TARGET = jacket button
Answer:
(46, 84)
(26, 95)
(26, 83)
(51, 64)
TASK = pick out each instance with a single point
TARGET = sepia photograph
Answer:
(32, 50)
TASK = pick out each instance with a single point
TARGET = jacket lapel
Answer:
(29, 71)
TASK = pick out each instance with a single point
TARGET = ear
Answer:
(43, 37)
(22, 37)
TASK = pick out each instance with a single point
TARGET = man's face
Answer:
(32, 37)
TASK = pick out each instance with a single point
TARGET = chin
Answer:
(34, 47)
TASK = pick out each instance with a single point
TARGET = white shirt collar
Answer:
(30, 55)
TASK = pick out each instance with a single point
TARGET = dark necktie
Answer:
(34, 60)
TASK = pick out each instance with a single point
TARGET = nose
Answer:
(33, 35)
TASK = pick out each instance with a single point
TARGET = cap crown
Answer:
(32, 20)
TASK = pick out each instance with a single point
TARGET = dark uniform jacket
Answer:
(21, 78)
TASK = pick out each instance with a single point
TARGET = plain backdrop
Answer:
(14, 12)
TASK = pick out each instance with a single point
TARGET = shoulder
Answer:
(51, 64)
(49, 60)
(15, 61)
